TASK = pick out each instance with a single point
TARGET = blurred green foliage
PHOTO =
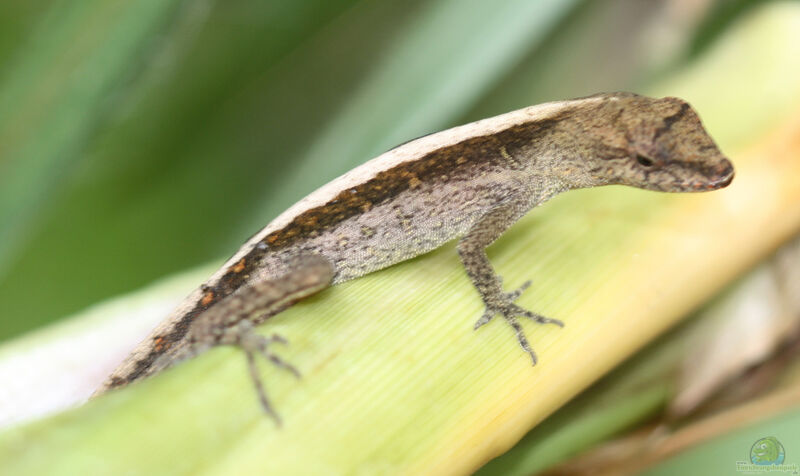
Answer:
(174, 148)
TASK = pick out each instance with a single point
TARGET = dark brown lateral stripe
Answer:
(441, 165)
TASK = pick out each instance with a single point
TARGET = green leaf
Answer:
(394, 377)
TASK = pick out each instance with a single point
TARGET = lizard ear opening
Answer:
(645, 161)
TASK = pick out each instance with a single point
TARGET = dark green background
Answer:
(141, 138)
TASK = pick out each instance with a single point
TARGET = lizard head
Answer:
(655, 144)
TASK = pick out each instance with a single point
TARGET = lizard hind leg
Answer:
(244, 336)
(233, 320)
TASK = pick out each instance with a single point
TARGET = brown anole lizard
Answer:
(469, 183)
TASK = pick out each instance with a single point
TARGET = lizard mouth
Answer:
(722, 177)
(721, 182)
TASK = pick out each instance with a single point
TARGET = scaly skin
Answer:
(469, 183)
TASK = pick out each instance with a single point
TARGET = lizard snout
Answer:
(722, 176)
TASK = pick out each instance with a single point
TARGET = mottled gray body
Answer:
(389, 233)
(470, 183)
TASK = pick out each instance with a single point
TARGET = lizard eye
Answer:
(645, 161)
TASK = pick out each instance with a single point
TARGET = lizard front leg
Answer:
(232, 321)
(472, 251)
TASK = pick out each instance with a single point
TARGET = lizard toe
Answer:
(485, 318)
(256, 343)
(520, 311)
(514, 295)
(510, 311)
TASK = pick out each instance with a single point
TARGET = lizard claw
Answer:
(486, 317)
(506, 299)
(262, 395)
(255, 343)
(520, 311)
(505, 307)
(513, 295)
(244, 336)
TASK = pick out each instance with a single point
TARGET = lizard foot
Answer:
(244, 336)
(505, 307)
